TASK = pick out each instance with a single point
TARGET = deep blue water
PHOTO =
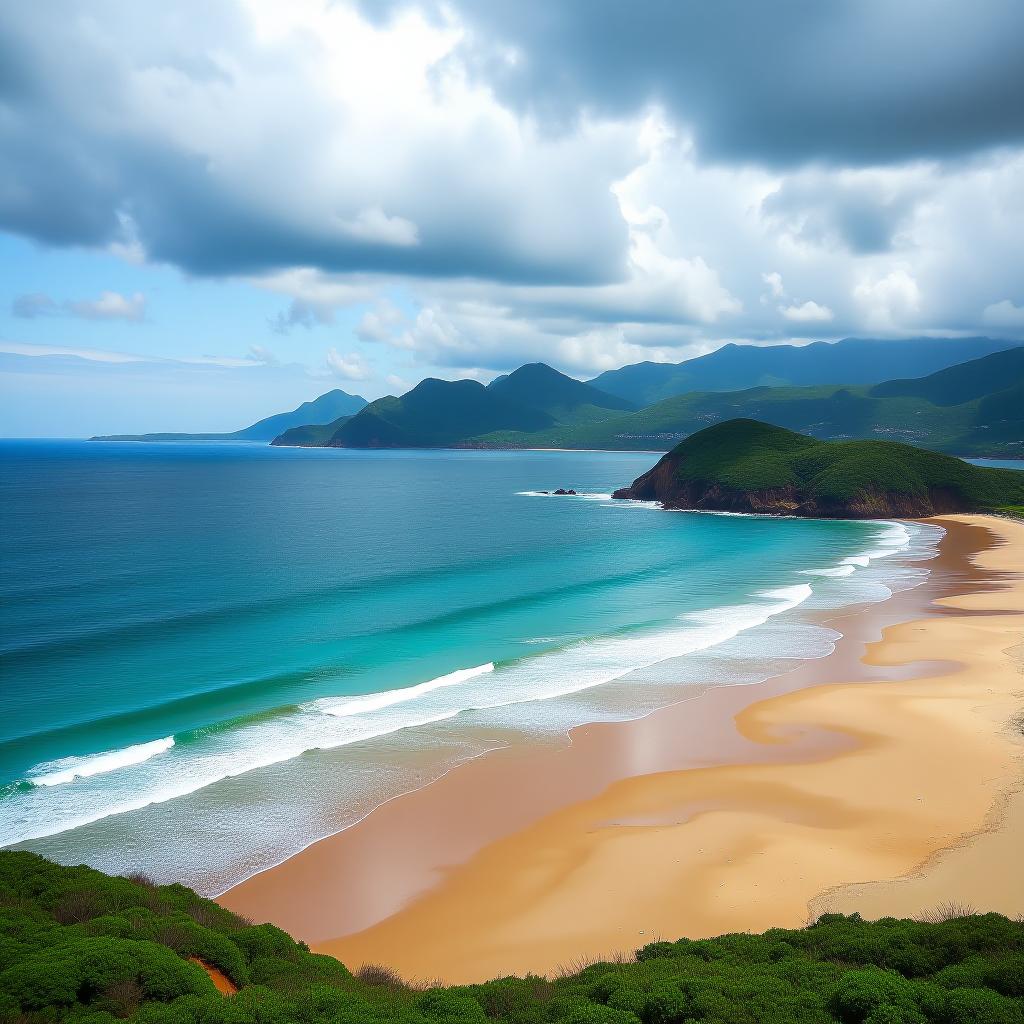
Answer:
(175, 615)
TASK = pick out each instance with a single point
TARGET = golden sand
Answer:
(909, 802)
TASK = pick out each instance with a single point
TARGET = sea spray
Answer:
(56, 773)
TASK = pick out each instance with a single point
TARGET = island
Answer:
(747, 466)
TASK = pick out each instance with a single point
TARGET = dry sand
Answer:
(748, 808)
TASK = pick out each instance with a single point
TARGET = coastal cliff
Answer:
(748, 466)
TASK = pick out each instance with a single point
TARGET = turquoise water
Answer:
(1017, 464)
(195, 637)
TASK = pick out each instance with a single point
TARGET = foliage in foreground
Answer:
(77, 945)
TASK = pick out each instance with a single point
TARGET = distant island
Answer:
(747, 466)
(325, 409)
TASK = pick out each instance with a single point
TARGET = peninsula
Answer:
(747, 466)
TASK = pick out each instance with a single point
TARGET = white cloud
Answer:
(379, 324)
(1003, 314)
(261, 354)
(91, 354)
(111, 306)
(108, 306)
(374, 225)
(350, 366)
(888, 302)
(807, 312)
(774, 282)
(316, 297)
(349, 164)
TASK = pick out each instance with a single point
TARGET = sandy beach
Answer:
(890, 790)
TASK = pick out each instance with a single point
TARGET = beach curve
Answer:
(744, 841)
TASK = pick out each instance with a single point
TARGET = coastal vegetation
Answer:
(746, 466)
(80, 946)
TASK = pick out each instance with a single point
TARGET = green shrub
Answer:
(451, 1006)
(130, 962)
(266, 940)
(665, 1006)
(982, 1006)
(861, 992)
(79, 971)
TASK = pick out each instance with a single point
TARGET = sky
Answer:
(213, 210)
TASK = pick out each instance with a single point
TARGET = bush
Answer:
(982, 1006)
(78, 947)
(81, 970)
(451, 1006)
(861, 992)
(266, 940)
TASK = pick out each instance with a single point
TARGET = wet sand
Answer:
(735, 810)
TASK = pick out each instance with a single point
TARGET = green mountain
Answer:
(325, 409)
(738, 367)
(962, 383)
(440, 413)
(976, 408)
(81, 947)
(563, 398)
(746, 466)
(310, 435)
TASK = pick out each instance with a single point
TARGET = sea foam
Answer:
(343, 707)
(67, 769)
(210, 757)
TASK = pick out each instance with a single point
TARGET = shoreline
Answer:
(593, 756)
(379, 890)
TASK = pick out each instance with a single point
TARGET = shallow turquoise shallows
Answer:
(188, 628)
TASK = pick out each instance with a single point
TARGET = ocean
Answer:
(212, 655)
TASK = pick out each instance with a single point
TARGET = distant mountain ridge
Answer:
(439, 413)
(974, 408)
(849, 361)
(325, 409)
(746, 466)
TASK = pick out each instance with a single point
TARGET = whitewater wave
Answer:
(343, 707)
(204, 758)
(891, 540)
(105, 786)
(67, 769)
(843, 569)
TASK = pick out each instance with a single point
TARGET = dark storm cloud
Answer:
(781, 83)
(862, 215)
(94, 149)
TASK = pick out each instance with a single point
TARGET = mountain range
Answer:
(325, 409)
(961, 395)
(441, 413)
(849, 361)
(973, 408)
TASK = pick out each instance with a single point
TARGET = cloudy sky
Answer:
(212, 210)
